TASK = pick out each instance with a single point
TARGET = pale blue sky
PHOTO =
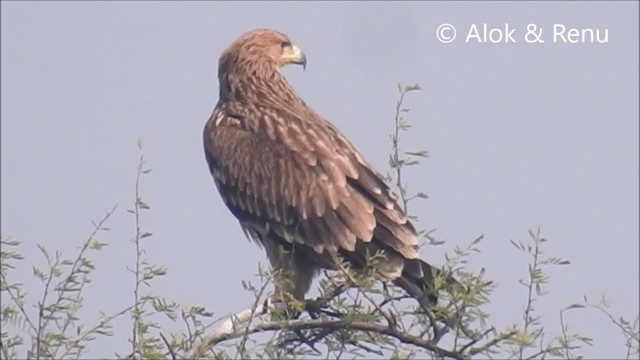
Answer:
(519, 135)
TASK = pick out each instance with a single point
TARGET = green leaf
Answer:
(421, 153)
(97, 245)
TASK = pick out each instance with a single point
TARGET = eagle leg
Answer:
(293, 274)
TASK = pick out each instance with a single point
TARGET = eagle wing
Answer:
(304, 182)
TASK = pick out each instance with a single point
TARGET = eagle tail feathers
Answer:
(422, 288)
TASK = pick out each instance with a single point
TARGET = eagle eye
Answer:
(285, 44)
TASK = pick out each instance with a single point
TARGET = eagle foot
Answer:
(282, 310)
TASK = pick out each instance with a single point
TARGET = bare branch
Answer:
(307, 324)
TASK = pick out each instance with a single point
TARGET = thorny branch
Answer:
(242, 324)
(307, 324)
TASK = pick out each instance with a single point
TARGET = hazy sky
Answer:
(519, 135)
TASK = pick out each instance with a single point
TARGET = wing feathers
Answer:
(343, 238)
(335, 175)
(320, 197)
(318, 203)
(312, 237)
(360, 213)
(333, 194)
(259, 209)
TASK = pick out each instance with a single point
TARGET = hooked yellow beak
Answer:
(293, 55)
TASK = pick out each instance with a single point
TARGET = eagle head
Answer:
(261, 52)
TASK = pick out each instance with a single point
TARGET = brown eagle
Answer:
(298, 187)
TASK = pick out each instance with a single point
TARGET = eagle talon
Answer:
(282, 310)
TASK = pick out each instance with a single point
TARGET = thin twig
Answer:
(16, 301)
(492, 343)
(254, 311)
(396, 152)
(565, 338)
(365, 348)
(173, 355)
(476, 339)
(41, 317)
(4, 351)
(136, 316)
(353, 281)
(532, 281)
(106, 320)
(74, 269)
